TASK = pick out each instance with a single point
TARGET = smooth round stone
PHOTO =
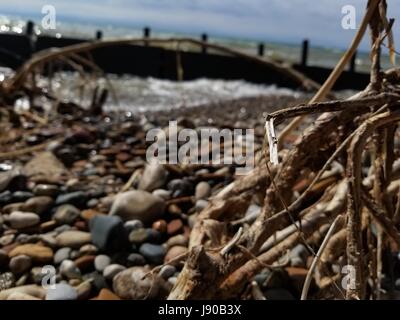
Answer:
(37, 275)
(133, 225)
(66, 214)
(69, 270)
(135, 259)
(62, 254)
(138, 236)
(178, 240)
(77, 198)
(101, 262)
(138, 204)
(136, 283)
(97, 280)
(108, 233)
(21, 196)
(38, 205)
(48, 190)
(49, 240)
(175, 226)
(200, 205)
(154, 176)
(85, 263)
(172, 280)
(20, 264)
(20, 220)
(160, 226)
(7, 239)
(7, 281)
(167, 271)
(153, 253)
(37, 252)
(88, 249)
(62, 291)
(112, 270)
(92, 203)
(203, 190)
(73, 238)
(180, 187)
(162, 193)
(174, 252)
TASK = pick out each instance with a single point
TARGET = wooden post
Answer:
(261, 49)
(353, 62)
(204, 38)
(29, 28)
(99, 35)
(304, 53)
(146, 34)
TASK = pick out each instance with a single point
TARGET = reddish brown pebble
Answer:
(174, 227)
(89, 214)
(81, 225)
(123, 156)
(160, 226)
(85, 263)
(174, 252)
(106, 294)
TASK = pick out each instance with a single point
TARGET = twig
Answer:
(310, 273)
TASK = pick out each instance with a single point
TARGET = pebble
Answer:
(62, 254)
(108, 233)
(21, 196)
(62, 291)
(174, 252)
(73, 238)
(160, 226)
(38, 253)
(298, 256)
(138, 204)
(20, 220)
(48, 190)
(178, 240)
(154, 176)
(138, 236)
(12, 180)
(101, 262)
(175, 226)
(66, 214)
(153, 253)
(167, 271)
(106, 294)
(77, 198)
(112, 270)
(20, 264)
(45, 167)
(162, 193)
(85, 263)
(135, 259)
(133, 225)
(7, 281)
(69, 270)
(84, 290)
(203, 190)
(180, 187)
(38, 205)
(88, 249)
(200, 205)
(132, 284)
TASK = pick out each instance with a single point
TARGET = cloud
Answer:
(278, 20)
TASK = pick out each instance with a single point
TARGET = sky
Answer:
(288, 21)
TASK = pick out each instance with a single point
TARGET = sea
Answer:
(131, 92)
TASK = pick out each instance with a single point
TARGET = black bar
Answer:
(304, 53)
(261, 48)
(353, 62)
(204, 38)
(99, 35)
